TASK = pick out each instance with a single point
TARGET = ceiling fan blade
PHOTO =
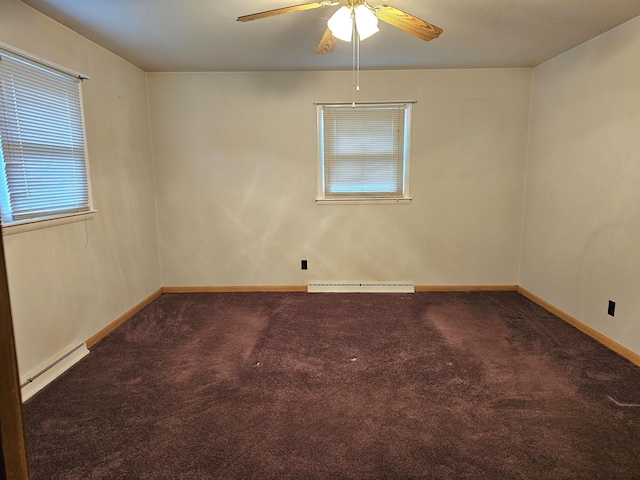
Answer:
(408, 23)
(327, 43)
(280, 11)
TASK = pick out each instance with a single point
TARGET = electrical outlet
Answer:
(612, 308)
(303, 264)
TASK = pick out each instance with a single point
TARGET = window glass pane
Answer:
(364, 150)
(42, 142)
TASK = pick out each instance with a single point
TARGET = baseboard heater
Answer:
(364, 287)
(52, 369)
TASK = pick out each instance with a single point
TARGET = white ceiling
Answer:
(203, 35)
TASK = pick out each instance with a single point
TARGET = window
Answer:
(364, 152)
(42, 145)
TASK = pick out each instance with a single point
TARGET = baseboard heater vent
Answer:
(364, 287)
(52, 369)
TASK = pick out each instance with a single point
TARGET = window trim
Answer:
(365, 201)
(354, 199)
(46, 222)
(29, 224)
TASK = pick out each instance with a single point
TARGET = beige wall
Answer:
(70, 281)
(581, 242)
(236, 170)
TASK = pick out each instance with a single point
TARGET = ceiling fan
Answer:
(356, 13)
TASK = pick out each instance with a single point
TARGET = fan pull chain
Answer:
(354, 39)
(358, 62)
(355, 43)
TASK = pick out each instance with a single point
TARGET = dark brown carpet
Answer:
(296, 385)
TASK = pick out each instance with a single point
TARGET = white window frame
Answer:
(361, 197)
(11, 224)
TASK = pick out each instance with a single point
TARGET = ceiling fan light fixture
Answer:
(366, 22)
(341, 24)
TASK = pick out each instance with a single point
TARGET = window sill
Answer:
(37, 224)
(363, 201)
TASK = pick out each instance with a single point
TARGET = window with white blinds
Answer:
(364, 151)
(42, 143)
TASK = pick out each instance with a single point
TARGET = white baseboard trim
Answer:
(42, 376)
(364, 287)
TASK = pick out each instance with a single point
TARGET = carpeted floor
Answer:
(353, 386)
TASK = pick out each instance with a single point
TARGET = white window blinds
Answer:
(44, 170)
(364, 150)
